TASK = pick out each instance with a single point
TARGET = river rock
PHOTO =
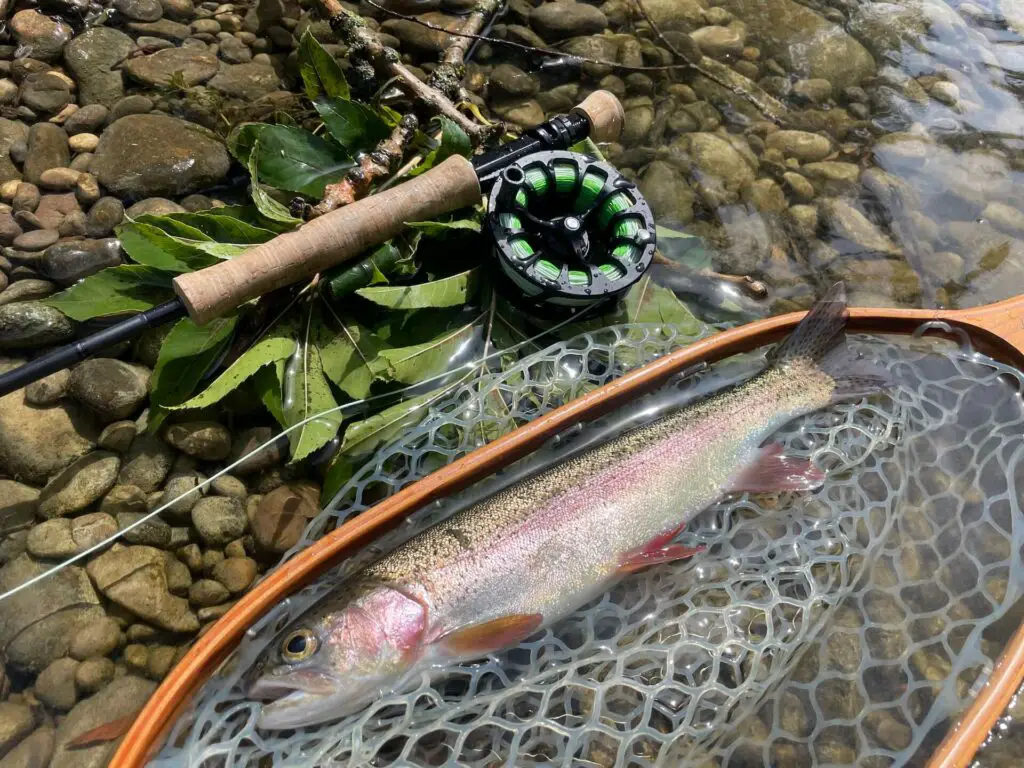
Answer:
(78, 486)
(281, 516)
(135, 578)
(510, 80)
(45, 92)
(91, 57)
(154, 532)
(805, 147)
(47, 148)
(92, 675)
(719, 170)
(55, 685)
(219, 519)
(51, 539)
(105, 214)
(68, 262)
(31, 325)
(35, 443)
(140, 10)
(246, 81)
(162, 28)
(19, 506)
(852, 231)
(147, 463)
(123, 697)
(187, 66)
(32, 752)
(124, 498)
(557, 21)
(97, 638)
(140, 156)
(235, 573)
(249, 440)
(111, 388)
(88, 119)
(16, 722)
(833, 178)
(677, 15)
(118, 436)
(43, 36)
(207, 592)
(668, 194)
(27, 290)
(181, 494)
(719, 42)
(206, 440)
(11, 133)
(38, 623)
(89, 530)
(804, 42)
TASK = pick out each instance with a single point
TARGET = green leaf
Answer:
(442, 228)
(447, 292)
(648, 302)
(185, 355)
(414, 363)
(267, 205)
(267, 382)
(685, 249)
(353, 125)
(308, 394)
(250, 214)
(290, 158)
(153, 247)
(320, 72)
(127, 288)
(454, 141)
(367, 435)
(210, 225)
(348, 357)
(278, 344)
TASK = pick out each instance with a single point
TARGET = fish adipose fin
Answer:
(820, 340)
(772, 472)
(491, 635)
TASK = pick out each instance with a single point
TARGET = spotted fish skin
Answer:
(531, 554)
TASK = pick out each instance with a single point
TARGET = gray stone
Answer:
(32, 752)
(9, 229)
(226, 485)
(36, 240)
(668, 194)
(153, 532)
(11, 132)
(181, 493)
(136, 104)
(45, 92)
(156, 206)
(205, 440)
(235, 573)
(140, 10)
(36, 443)
(135, 578)
(31, 325)
(55, 685)
(78, 486)
(853, 233)
(805, 147)
(51, 539)
(719, 169)
(47, 148)
(677, 15)
(164, 28)
(147, 463)
(510, 80)
(246, 81)
(67, 263)
(179, 578)
(43, 36)
(219, 519)
(117, 436)
(16, 722)
(113, 389)
(557, 21)
(804, 42)
(88, 119)
(234, 51)
(182, 10)
(49, 389)
(91, 57)
(123, 697)
(97, 638)
(93, 674)
(38, 623)
(207, 592)
(186, 66)
(719, 42)
(19, 506)
(140, 156)
(89, 530)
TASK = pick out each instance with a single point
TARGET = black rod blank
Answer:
(77, 351)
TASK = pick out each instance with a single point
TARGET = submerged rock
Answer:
(35, 443)
(79, 485)
(112, 389)
(16, 722)
(31, 325)
(184, 66)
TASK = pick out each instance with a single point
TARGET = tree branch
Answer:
(447, 76)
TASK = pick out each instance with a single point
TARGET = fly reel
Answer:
(569, 230)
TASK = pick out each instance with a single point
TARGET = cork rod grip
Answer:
(605, 115)
(331, 239)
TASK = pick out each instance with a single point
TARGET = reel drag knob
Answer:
(569, 230)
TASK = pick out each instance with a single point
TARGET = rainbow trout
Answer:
(493, 574)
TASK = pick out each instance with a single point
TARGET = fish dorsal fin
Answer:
(493, 635)
(818, 333)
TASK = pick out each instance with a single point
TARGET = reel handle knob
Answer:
(605, 115)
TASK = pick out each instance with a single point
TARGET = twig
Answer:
(364, 44)
(381, 162)
(447, 76)
(727, 79)
(754, 288)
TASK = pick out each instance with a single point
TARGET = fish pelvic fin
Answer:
(819, 341)
(489, 636)
(101, 734)
(773, 471)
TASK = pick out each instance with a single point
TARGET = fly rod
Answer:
(567, 230)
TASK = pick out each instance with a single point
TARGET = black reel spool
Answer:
(569, 230)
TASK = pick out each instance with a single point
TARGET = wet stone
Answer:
(45, 92)
(179, 578)
(51, 539)
(226, 485)
(16, 722)
(235, 573)
(32, 752)
(55, 685)
(805, 147)
(181, 493)
(37, 442)
(147, 463)
(161, 659)
(124, 498)
(140, 10)
(26, 197)
(207, 592)
(557, 21)
(47, 148)
(219, 519)
(246, 81)
(31, 325)
(187, 66)
(78, 486)
(117, 436)
(136, 104)
(19, 507)
(154, 532)
(36, 240)
(92, 674)
(45, 37)
(163, 28)
(49, 389)
(67, 263)
(280, 517)
(97, 638)
(88, 119)
(206, 440)
(113, 389)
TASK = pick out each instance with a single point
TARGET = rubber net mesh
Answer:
(843, 626)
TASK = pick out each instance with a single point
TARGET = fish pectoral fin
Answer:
(647, 557)
(101, 734)
(773, 471)
(494, 635)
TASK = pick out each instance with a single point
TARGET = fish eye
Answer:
(299, 645)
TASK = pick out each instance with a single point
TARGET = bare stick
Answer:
(379, 163)
(447, 77)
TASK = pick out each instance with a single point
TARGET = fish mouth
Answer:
(298, 698)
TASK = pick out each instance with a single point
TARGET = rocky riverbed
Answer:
(889, 157)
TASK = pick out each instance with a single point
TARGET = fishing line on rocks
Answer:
(470, 367)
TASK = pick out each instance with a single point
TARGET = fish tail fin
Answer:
(820, 341)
